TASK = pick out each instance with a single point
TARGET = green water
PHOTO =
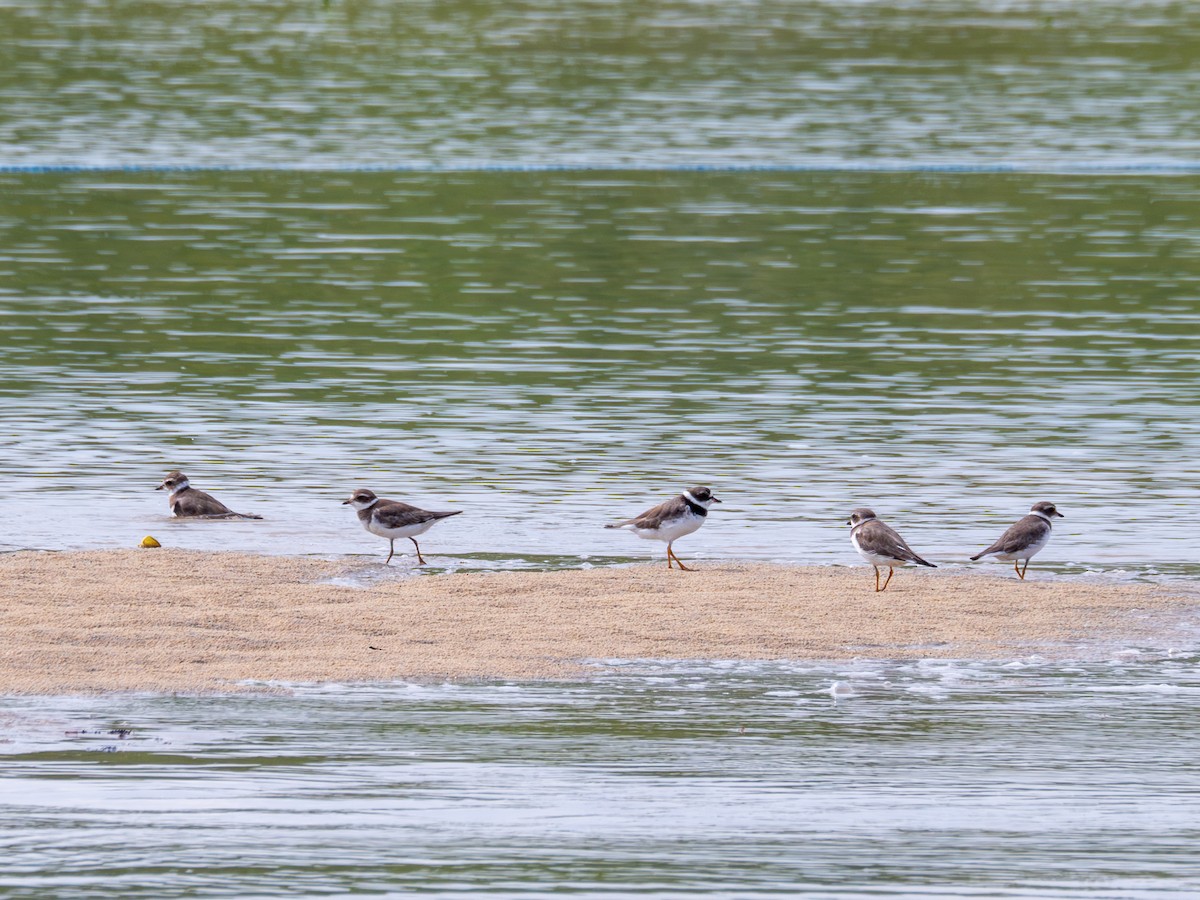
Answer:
(552, 351)
(593, 82)
(549, 263)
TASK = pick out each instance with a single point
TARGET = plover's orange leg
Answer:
(419, 556)
(876, 568)
(1023, 568)
(391, 551)
(888, 580)
(671, 553)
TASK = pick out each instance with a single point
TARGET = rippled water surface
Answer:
(884, 319)
(947, 779)
(596, 82)
(550, 351)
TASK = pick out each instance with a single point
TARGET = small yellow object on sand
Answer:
(149, 541)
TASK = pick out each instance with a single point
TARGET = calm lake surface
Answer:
(551, 263)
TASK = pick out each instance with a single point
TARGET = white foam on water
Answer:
(840, 690)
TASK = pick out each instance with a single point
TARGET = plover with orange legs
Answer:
(392, 519)
(672, 520)
(1024, 538)
(880, 545)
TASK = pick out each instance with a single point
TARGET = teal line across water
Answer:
(1190, 168)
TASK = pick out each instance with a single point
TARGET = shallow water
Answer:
(1019, 779)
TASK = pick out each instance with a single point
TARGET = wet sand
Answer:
(170, 620)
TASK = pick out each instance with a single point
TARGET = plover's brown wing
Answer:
(883, 540)
(1021, 534)
(653, 519)
(192, 502)
(394, 514)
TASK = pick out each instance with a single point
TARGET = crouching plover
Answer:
(392, 519)
(880, 545)
(1024, 538)
(186, 501)
(671, 520)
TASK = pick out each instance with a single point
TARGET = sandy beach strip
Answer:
(171, 620)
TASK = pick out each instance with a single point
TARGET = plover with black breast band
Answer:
(1024, 538)
(392, 519)
(880, 545)
(672, 520)
(187, 502)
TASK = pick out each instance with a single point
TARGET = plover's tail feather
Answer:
(903, 551)
(992, 549)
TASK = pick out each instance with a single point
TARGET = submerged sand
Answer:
(171, 620)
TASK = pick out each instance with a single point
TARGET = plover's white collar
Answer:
(1042, 515)
(174, 483)
(690, 497)
(361, 499)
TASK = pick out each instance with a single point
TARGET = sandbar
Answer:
(183, 621)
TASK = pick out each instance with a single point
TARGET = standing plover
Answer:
(880, 545)
(392, 519)
(671, 520)
(186, 501)
(1024, 538)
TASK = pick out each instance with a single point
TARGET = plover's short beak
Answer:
(1060, 515)
(161, 486)
(345, 503)
(715, 500)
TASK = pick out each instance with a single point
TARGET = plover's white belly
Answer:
(1028, 552)
(671, 530)
(874, 558)
(407, 531)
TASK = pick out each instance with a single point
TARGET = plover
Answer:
(671, 520)
(392, 519)
(1024, 538)
(187, 502)
(880, 545)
